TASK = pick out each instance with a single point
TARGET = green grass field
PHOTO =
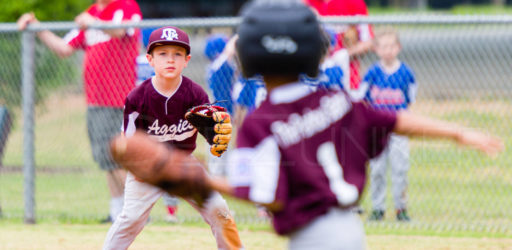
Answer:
(458, 198)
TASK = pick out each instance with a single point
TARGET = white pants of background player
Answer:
(139, 199)
(339, 229)
(397, 153)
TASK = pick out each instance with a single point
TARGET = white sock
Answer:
(116, 205)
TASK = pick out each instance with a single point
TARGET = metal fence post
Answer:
(28, 86)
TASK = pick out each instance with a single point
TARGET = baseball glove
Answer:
(214, 123)
(171, 169)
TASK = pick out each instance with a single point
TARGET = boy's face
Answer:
(168, 60)
(387, 47)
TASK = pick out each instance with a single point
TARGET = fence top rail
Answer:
(196, 22)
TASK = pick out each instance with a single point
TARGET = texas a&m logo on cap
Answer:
(169, 34)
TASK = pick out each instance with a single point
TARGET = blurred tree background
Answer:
(66, 10)
(45, 10)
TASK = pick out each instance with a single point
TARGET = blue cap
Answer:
(214, 45)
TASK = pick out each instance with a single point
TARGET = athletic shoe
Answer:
(358, 210)
(401, 215)
(106, 220)
(376, 215)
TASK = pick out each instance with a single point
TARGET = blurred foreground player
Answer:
(301, 153)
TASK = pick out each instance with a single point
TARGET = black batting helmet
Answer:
(279, 39)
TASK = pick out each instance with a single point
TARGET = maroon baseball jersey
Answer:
(163, 117)
(308, 151)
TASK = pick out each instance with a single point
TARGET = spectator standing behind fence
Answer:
(356, 39)
(5, 129)
(220, 76)
(109, 74)
(390, 85)
(237, 94)
(333, 71)
(234, 92)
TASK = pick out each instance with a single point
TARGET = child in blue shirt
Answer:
(390, 85)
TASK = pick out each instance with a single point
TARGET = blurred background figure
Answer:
(334, 68)
(355, 39)
(391, 86)
(220, 76)
(108, 73)
(232, 91)
(221, 70)
(5, 128)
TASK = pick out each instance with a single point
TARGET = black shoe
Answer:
(376, 215)
(358, 210)
(106, 220)
(401, 215)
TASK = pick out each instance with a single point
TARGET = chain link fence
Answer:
(462, 66)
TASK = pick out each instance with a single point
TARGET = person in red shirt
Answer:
(356, 39)
(109, 73)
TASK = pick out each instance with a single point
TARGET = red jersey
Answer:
(339, 7)
(346, 8)
(109, 63)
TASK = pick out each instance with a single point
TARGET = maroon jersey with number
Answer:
(163, 117)
(306, 151)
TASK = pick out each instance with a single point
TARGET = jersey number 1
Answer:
(345, 192)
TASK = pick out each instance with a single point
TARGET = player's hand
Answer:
(488, 144)
(223, 130)
(25, 20)
(84, 20)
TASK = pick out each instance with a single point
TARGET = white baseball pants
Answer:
(139, 198)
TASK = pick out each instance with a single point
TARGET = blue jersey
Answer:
(329, 78)
(220, 80)
(393, 91)
(252, 93)
(333, 73)
(144, 70)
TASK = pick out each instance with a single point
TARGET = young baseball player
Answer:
(390, 86)
(303, 153)
(145, 71)
(158, 107)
